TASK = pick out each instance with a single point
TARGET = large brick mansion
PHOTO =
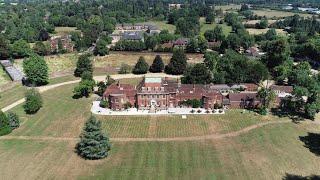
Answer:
(163, 93)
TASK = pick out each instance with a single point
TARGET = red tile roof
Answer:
(115, 88)
(237, 97)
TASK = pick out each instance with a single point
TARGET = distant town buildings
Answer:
(133, 32)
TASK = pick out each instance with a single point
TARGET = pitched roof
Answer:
(237, 97)
(132, 36)
(287, 89)
(114, 89)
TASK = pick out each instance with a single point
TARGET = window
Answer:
(163, 96)
(158, 96)
(116, 100)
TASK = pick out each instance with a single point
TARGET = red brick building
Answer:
(243, 100)
(160, 94)
(120, 94)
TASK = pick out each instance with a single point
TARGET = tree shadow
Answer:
(298, 177)
(312, 142)
(295, 117)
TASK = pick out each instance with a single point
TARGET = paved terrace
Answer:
(96, 109)
(12, 71)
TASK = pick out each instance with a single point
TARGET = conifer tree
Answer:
(93, 143)
(157, 65)
(178, 63)
(141, 67)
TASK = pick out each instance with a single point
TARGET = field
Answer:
(60, 31)
(115, 59)
(162, 25)
(204, 27)
(228, 7)
(57, 63)
(254, 31)
(267, 152)
(277, 14)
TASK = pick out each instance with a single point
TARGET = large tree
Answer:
(101, 48)
(36, 70)
(141, 67)
(84, 64)
(178, 63)
(277, 52)
(4, 48)
(157, 65)
(94, 144)
(20, 49)
(215, 35)
(197, 74)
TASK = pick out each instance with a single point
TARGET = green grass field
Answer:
(277, 14)
(4, 78)
(204, 27)
(268, 152)
(163, 25)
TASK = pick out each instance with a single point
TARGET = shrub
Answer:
(127, 105)
(4, 124)
(192, 111)
(263, 111)
(102, 86)
(33, 101)
(85, 88)
(94, 144)
(104, 104)
(125, 69)
(14, 121)
(216, 106)
(199, 111)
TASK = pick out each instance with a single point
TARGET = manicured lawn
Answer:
(17, 92)
(268, 152)
(11, 95)
(175, 126)
(61, 115)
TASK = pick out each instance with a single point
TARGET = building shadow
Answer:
(298, 177)
(312, 142)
